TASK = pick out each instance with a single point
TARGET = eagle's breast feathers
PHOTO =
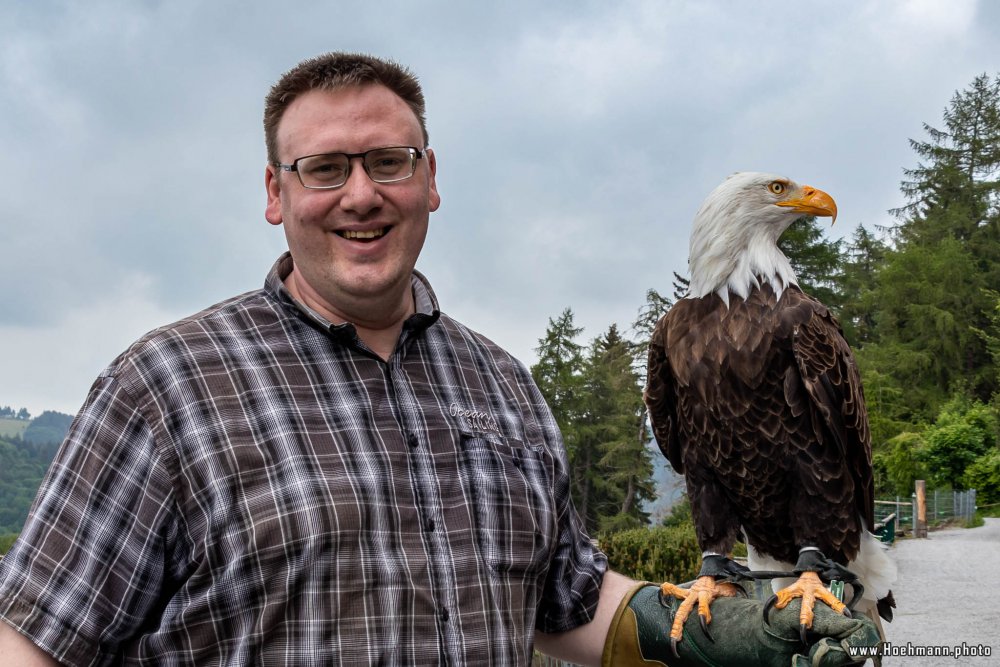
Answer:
(763, 397)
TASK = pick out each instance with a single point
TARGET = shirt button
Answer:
(445, 615)
(412, 440)
(429, 526)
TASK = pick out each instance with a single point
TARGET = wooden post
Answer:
(921, 522)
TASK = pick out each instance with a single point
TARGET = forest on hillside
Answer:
(24, 458)
(918, 302)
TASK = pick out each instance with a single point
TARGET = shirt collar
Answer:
(425, 301)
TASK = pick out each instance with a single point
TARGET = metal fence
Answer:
(942, 506)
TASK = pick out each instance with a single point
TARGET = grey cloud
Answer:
(575, 141)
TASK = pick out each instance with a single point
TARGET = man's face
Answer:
(346, 270)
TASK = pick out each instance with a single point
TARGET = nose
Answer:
(359, 194)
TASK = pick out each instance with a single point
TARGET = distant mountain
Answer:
(669, 486)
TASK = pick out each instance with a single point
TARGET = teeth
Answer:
(362, 234)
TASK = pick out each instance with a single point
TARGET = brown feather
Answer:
(760, 406)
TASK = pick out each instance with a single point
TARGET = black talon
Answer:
(664, 602)
(767, 608)
(673, 647)
(704, 628)
(802, 633)
(858, 592)
(847, 612)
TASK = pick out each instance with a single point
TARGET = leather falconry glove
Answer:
(639, 635)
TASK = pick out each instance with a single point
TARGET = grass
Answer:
(11, 427)
(992, 510)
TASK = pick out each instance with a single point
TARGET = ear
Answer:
(434, 199)
(272, 212)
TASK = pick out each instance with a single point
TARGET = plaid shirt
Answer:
(253, 486)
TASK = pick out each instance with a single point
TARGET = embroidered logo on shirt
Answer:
(479, 420)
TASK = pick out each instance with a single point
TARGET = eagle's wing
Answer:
(832, 382)
(661, 396)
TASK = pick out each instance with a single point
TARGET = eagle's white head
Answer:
(734, 240)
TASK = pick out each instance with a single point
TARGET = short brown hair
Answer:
(331, 71)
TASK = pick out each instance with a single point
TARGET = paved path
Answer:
(948, 593)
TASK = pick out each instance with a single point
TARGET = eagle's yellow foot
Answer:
(810, 588)
(702, 592)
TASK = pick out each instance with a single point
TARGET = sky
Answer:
(574, 142)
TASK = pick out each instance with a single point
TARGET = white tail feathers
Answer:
(873, 566)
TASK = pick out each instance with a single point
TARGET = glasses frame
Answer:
(415, 154)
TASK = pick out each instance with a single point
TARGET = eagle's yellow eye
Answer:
(776, 187)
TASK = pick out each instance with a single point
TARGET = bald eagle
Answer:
(755, 397)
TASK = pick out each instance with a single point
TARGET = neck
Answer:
(760, 262)
(377, 325)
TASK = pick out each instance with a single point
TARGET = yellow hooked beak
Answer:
(811, 201)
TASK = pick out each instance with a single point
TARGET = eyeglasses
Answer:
(331, 170)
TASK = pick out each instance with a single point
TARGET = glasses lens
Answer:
(385, 165)
(323, 171)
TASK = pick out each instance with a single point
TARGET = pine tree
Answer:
(559, 367)
(991, 334)
(863, 257)
(816, 261)
(929, 299)
(682, 286)
(622, 477)
(656, 306)
(930, 294)
(596, 397)
(559, 376)
(954, 193)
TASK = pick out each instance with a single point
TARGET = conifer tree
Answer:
(930, 294)
(559, 376)
(682, 286)
(863, 256)
(559, 368)
(622, 477)
(816, 261)
(656, 306)
(953, 192)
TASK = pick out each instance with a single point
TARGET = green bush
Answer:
(963, 431)
(983, 475)
(654, 554)
(901, 459)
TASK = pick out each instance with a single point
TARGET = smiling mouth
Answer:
(363, 234)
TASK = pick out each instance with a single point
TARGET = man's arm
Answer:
(583, 645)
(16, 650)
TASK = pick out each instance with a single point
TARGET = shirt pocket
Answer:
(511, 491)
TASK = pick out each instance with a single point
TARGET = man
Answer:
(327, 470)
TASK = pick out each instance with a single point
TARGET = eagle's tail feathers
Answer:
(873, 566)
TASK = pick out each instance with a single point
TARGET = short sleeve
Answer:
(92, 560)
